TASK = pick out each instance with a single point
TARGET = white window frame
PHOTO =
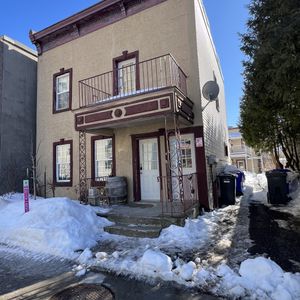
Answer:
(64, 160)
(58, 93)
(126, 69)
(104, 158)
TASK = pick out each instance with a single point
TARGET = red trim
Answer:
(136, 160)
(125, 56)
(62, 72)
(63, 142)
(93, 139)
(200, 165)
(122, 120)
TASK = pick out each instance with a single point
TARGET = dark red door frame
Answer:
(200, 162)
(136, 160)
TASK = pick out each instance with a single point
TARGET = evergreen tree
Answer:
(270, 106)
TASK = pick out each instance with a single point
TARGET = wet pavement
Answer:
(19, 268)
(275, 234)
(32, 277)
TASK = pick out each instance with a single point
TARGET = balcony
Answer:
(155, 86)
(236, 151)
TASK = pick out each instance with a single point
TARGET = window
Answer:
(62, 91)
(186, 153)
(62, 173)
(126, 73)
(225, 150)
(127, 76)
(103, 157)
(187, 148)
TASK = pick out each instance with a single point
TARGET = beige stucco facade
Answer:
(178, 27)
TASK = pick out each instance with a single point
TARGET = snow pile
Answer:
(54, 226)
(155, 262)
(256, 187)
(259, 278)
(231, 169)
(195, 232)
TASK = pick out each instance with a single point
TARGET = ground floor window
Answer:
(62, 163)
(187, 147)
(102, 157)
(241, 164)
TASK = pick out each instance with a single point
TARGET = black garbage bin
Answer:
(277, 187)
(227, 184)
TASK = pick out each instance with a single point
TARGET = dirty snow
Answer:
(61, 226)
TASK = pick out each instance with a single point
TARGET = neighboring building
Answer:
(118, 83)
(18, 76)
(243, 156)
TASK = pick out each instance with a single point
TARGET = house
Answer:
(245, 157)
(18, 73)
(120, 94)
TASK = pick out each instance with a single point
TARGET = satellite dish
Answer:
(210, 90)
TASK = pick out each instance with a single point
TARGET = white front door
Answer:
(149, 169)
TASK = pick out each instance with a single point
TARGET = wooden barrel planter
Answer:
(116, 189)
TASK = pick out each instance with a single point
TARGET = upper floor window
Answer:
(127, 76)
(62, 91)
(126, 73)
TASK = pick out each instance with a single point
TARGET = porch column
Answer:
(82, 167)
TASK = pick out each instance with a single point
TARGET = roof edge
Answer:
(18, 44)
(35, 36)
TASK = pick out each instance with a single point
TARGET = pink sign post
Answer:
(26, 195)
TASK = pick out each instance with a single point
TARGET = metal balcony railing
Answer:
(144, 77)
(240, 150)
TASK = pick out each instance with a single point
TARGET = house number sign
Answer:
(26, 195)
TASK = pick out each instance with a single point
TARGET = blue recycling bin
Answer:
(240, 183)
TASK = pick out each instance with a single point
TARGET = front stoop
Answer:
(141, 231)
(139, 226)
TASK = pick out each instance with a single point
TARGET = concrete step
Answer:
(140, 220)
(131, 230)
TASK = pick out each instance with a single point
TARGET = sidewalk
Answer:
(22, 277)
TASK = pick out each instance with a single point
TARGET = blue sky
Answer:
(227, 18)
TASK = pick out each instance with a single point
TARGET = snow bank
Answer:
(256, 187)
(260, 278)
(194, 233)
(54, 226)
